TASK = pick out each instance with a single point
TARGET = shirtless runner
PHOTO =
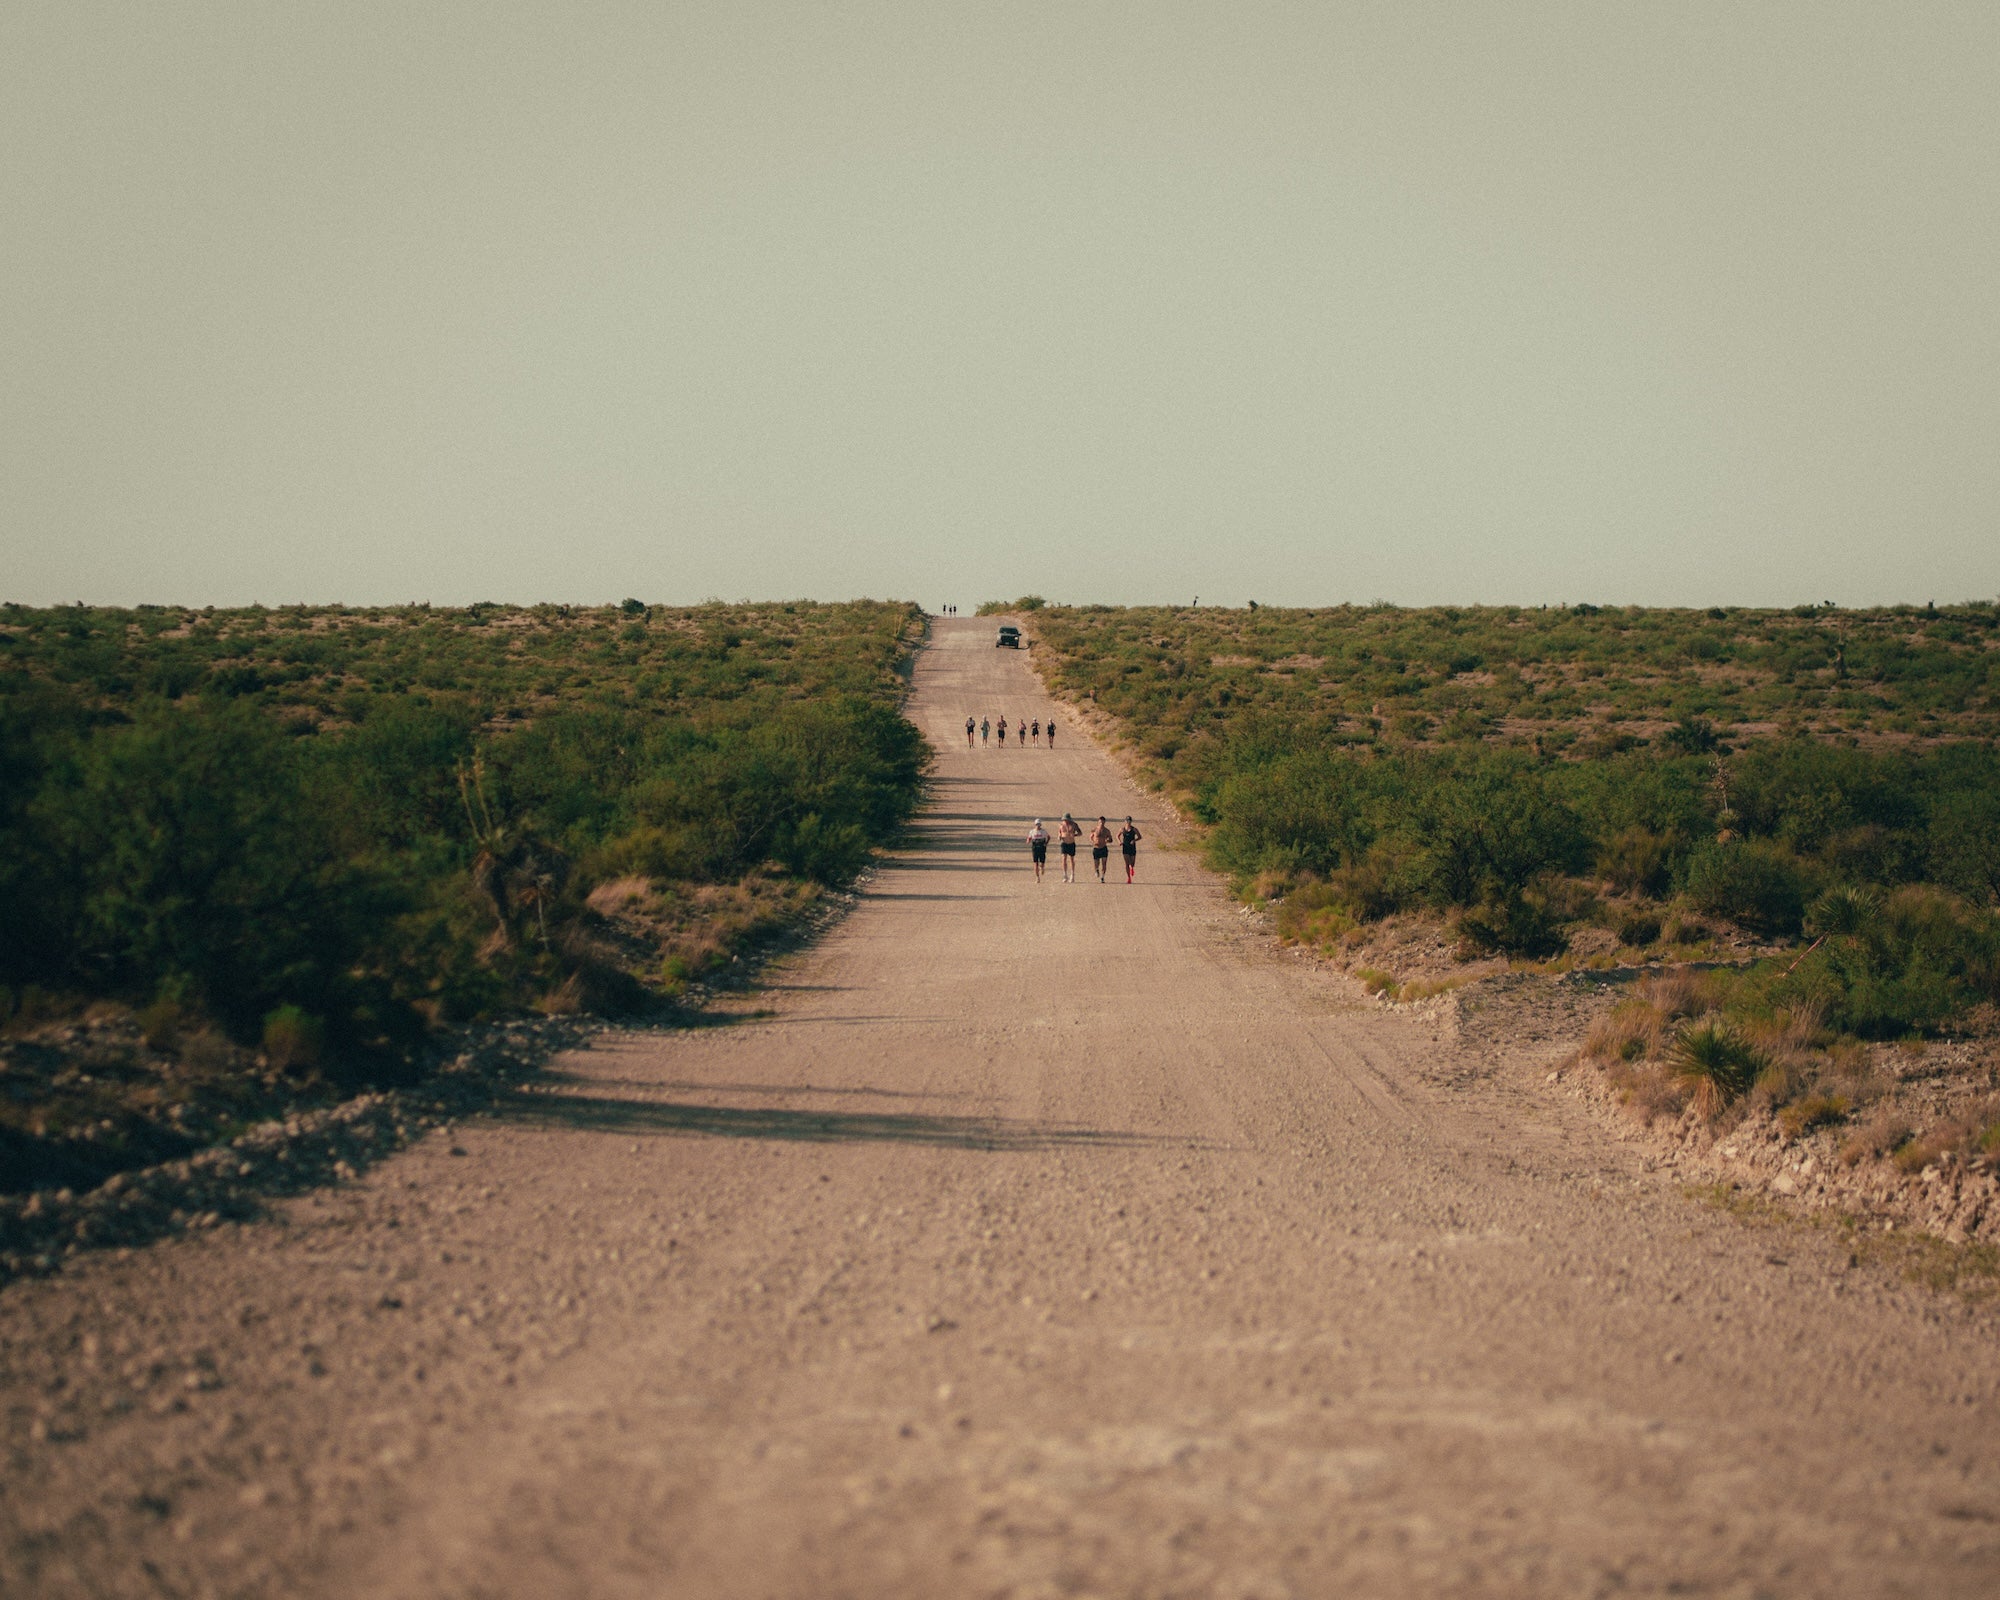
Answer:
(1100, 848)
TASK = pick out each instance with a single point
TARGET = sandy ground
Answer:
(1031, 1240)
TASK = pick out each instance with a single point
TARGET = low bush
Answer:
(1760, 885)
(294, 1040)
(1885, 966)
(1315, 915)
(1509, 924)
(1637, 860)
(1639, 928)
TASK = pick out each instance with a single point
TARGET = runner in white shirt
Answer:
(1038, 847)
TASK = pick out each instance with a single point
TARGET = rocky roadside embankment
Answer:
(303, 1147)
(39, 1230)
(1871, 1167)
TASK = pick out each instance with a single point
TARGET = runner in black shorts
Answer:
(1128, 841)
(1052, 733)
(1066, 836)
(1100, 847)
(1038, 847)
(969, 726)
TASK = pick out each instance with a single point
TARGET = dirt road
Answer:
(1035, 1240)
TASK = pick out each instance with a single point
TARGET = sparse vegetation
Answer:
(1666, 776)
(1808, 800)
(317, 834)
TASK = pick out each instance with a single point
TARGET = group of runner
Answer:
(1025, 732)
(1068, 831)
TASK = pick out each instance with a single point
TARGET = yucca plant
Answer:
(1714, 1061)
(1844, 911)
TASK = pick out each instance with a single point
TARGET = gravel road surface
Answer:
(1019, 1239)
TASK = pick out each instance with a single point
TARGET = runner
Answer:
(985, 728)
(1038, 730)
(1066, 836)
(1100, 847)
(1052, 733)
(1038, 847)
(1003, 733)
(1128, 841)
(968, 733)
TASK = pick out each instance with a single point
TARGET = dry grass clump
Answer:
(1638, 1028)
(1788, 1043)
(1378, 982)
(1887, 1130)
(696, 930)
(1671, 1045)
(618, 894)
(1972, 1136)
(1681, 992)
(1315, 915)
(1811, 1112)
(1630, 1032)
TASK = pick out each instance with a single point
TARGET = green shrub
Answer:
(1889, 966)
(340, 827)
(1639, 928)
(1509, 924)
(1759, 885)
(1637, 860)
(293, 1040)
(1963, 843)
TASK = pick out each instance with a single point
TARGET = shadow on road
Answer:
(770, 1090)
(667, 1118)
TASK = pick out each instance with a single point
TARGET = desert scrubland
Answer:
(260, 860)
(1774, 835)
(1430, 1175)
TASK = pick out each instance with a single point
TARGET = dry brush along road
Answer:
(1017, 1240)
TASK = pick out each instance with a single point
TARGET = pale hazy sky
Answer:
(1664, 302)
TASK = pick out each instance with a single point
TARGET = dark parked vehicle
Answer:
(1010, 637)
